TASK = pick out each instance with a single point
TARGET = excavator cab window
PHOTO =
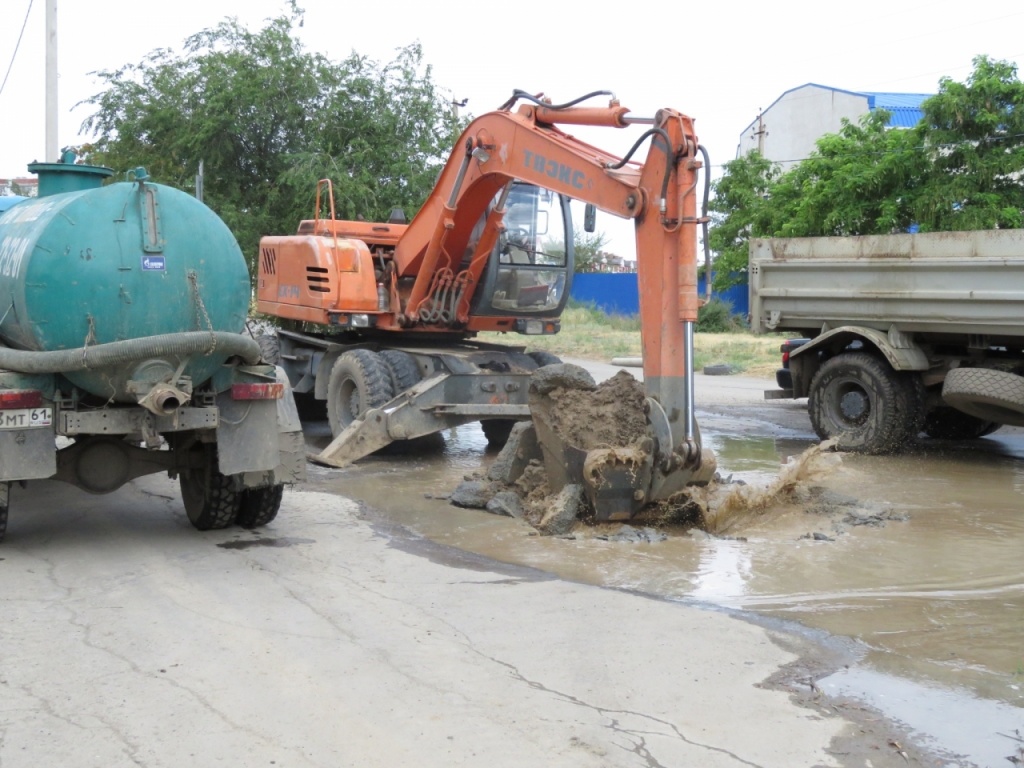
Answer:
(531, 266)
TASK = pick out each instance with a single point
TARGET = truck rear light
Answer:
(785, 356)
(20, 398)
(257, 391)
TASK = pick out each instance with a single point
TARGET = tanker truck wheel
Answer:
(360, 380)
(211, 499)
(5, 494)
(861, 402)
(259, 505)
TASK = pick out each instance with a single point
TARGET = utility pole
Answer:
(51, 82)
(761, 132)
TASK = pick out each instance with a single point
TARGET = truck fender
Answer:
(896, 347)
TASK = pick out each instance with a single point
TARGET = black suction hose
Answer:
(117, 353)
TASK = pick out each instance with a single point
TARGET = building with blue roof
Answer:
(787, 130)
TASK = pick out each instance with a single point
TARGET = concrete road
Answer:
(130, 639)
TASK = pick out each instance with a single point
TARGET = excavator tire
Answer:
(497, 430)
(542, 358)
(270, 348)
(360, 380)
(405, 374)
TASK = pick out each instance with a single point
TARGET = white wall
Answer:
(798, 118)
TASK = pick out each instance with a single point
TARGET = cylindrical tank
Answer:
(85, 264)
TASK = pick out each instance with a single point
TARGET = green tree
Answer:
(587, 249)
(268, 119)
(738, 210)
(959, 168)
(974, 132)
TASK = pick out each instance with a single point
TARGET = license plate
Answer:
(26, 418)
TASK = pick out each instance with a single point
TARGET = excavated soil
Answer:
(609, 416)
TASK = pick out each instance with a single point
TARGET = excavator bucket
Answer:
(604, 439)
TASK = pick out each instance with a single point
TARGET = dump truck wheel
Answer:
(947, 423)
(259, 505)
(863, 404)
(405, 373)
(211, 499)
(986, 394)
(360, 380)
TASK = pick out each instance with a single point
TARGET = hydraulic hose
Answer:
(704, 221)
(121, 352)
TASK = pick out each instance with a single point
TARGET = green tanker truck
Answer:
(122, 352)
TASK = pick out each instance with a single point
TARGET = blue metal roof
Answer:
(904, 108)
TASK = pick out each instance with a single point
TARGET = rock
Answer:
(506, 503)
(473, 494)
(519, 450)
(563, 375)
(560, 511)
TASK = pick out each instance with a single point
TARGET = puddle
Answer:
(936, 598)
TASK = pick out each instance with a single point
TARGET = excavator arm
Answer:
(659, 194)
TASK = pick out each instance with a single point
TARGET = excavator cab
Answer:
(530, 268)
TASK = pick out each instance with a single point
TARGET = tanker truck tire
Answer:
(360, 380)
(210, 498)
(947, 423)
(863, 404)
(4, 509)
(986, 394)
(259, 506)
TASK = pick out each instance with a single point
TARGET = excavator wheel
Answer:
(497, 430)
(542, 358)
(405, 373)
(360, 380)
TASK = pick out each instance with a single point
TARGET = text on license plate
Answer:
(26, 418)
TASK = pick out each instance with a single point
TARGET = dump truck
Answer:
(384, 316)
(906, 333)
(123, 350)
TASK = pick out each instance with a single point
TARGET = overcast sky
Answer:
(718, 62)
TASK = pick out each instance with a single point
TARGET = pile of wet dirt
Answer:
(531, 482)
(607, 416)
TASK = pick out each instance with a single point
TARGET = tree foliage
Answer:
(959, 168)
(587, 248)
(268, 119)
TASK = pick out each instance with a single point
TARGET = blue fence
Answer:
(617, 294)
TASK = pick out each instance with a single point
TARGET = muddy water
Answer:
(936, 598)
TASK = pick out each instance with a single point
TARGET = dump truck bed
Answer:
(944, 283)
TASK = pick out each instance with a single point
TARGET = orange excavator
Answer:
(397, 305)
